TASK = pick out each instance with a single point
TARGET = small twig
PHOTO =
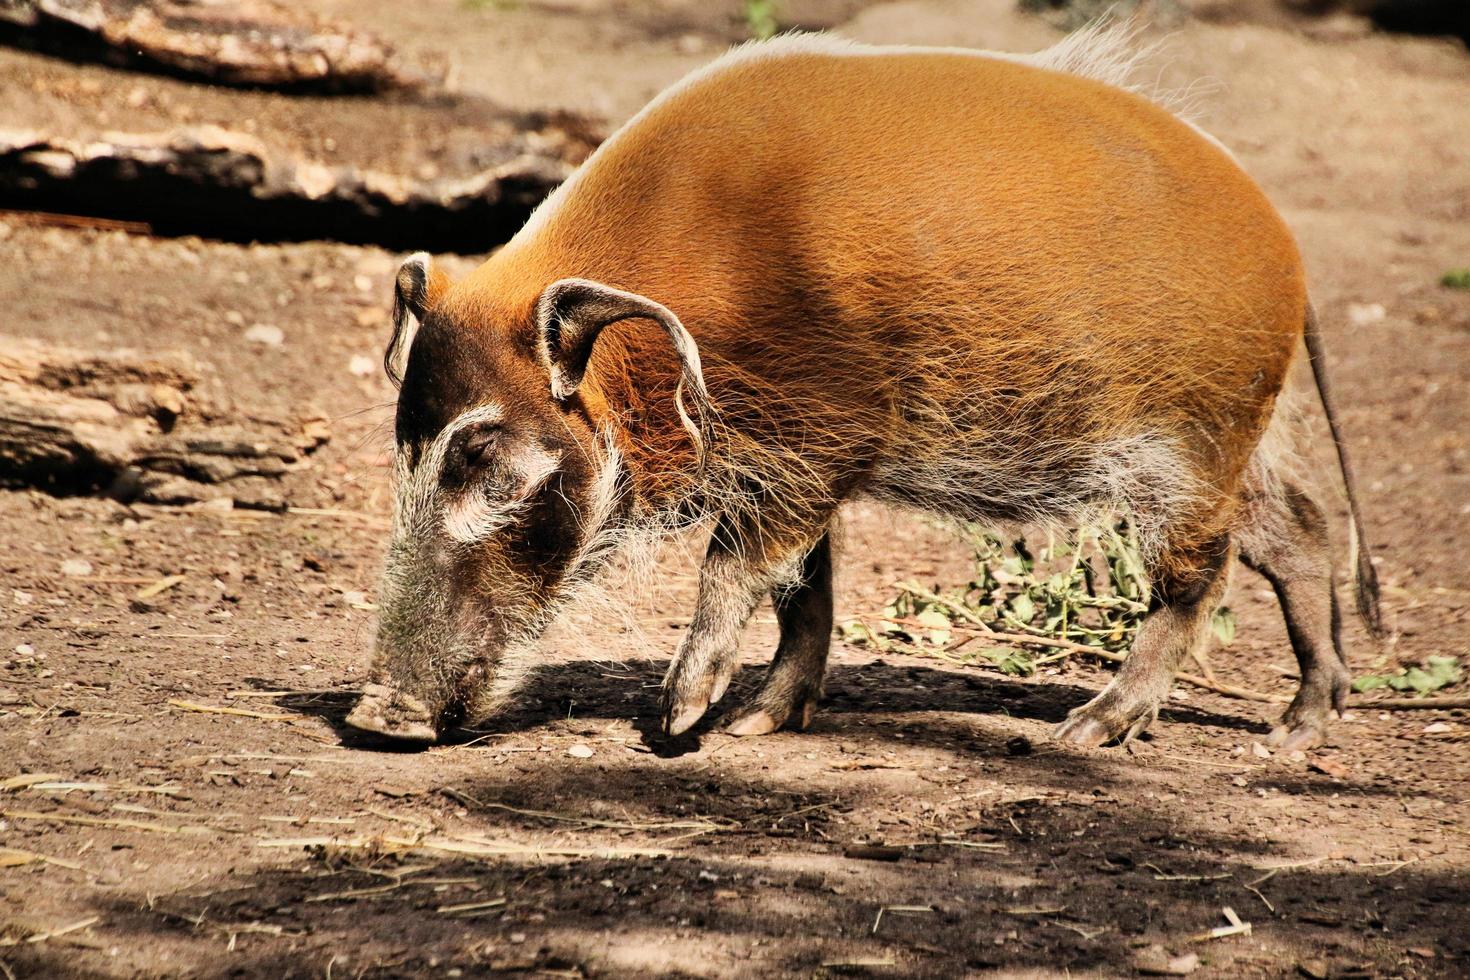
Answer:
(1411, 704)
(161, 586)
(493, 903)
(905, 909)
(1264, 900)
(959, 609)
(701, 825)
(13, 857)
(466, 847)
(60, 786)
(158, 828)
(1199, 657)
(1235, 928)
(52, 933)
(218, 710)
(359, 892)
(27, 779)
(1398, 866)
(1161, 875)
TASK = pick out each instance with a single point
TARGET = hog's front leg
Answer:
(793, 683)
(742, 565)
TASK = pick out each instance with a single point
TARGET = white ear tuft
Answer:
(411, 295)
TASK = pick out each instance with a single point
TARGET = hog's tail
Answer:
(1360, 555)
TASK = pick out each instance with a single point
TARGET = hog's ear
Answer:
(415, 290)
(573, 312)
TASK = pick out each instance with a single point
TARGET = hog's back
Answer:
(872, 224)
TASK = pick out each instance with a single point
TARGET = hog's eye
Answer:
(479, 444)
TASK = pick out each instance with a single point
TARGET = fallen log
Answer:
(256, 43)
(138, 428)
(230, 186)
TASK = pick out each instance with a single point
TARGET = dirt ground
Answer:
(568, 838)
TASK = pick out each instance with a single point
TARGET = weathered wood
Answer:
(230, 185)
(230, 42)
(136, 427)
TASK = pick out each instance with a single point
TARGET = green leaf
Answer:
(760, 19)
(1014, 662)
(1223, 625)
(1445, 670)
(1022, 608)
(1437, 672)
(1369, 682)
(1456, 279)
(934, 619)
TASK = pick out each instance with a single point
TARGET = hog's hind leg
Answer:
(793, 682)
(1188, 584)
(1285, 538)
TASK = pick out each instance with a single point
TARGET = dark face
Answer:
(503, 495)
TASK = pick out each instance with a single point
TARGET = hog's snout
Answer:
(394, 714)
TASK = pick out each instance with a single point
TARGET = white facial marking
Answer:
(474, 516)
(419, 486)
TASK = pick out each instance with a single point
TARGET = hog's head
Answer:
(507, 491)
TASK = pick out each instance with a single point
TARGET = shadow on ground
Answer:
(628, 690)
(1053, 887)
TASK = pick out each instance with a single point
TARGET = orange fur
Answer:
(851, 235)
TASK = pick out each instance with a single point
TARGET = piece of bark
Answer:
(229, 185)
(134, 426)
(256, 43)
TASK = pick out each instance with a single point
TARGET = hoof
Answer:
(1084, 731)
(679, 718)
(1100, 721)
(1299, 739)
(762, 716)
(393, 714)
(757, 722)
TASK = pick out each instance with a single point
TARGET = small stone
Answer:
(1020, 745)
(361, 365)
(76, 568)
(1260, 751)
(580, 751)
(267, 334)
(1313, 969)
(25, 649)
(1438, 728)
(1329, 767)
(1157, 961)
(517, 937)
(1363, 314)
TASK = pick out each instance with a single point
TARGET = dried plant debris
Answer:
(231, 186)
(139, 427)
(229, 42)
(1086, 593)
